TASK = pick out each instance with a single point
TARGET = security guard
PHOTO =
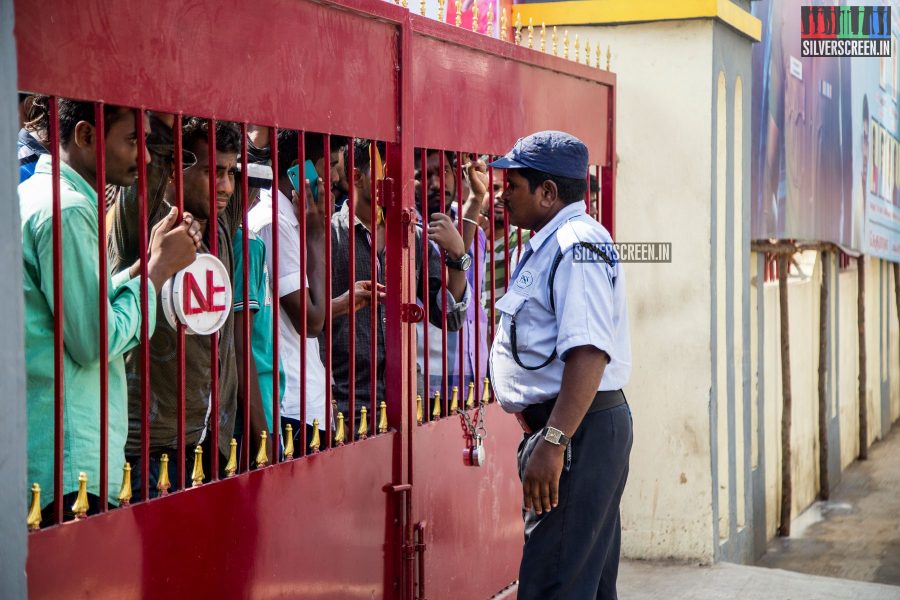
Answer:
(559, 361)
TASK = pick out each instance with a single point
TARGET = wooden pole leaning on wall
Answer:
(784, 524)
(824, 486)
(861, 323)
(896, 267)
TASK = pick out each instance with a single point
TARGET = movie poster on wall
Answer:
(825, 151)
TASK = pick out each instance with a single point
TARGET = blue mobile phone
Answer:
(311, 175)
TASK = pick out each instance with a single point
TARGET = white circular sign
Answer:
(198, 296)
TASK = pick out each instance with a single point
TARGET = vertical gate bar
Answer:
(179, 327)
(326, 147)
(587, 191)
(245, 302)
(506, 249)
(301, 161)
(374, 322)
(476, 303)
(608, 183)
(58, 335)
(276, 299)
(596, 206)
(461, 334)
(351, 359)
(213, 230)
(492, 251)
(445, 367)
(103, 302)
(145, 305)
(426, 305)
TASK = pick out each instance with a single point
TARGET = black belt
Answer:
(534, 417)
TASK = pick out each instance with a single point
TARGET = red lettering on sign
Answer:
(211, 290)
(205, 303)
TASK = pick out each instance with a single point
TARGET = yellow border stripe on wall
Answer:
(610, 12)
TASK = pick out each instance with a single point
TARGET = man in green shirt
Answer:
(171, 248)
(259, 303)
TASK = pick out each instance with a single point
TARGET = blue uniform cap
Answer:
(552, 152)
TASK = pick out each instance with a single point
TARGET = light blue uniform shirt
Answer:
(590, 311)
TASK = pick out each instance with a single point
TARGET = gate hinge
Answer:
(411, 313)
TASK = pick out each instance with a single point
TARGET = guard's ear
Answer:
(83, 135)
(548, 192)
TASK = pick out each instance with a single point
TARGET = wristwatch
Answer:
(555, 436)
(460, 264)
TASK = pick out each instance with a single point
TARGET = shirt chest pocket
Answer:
(511, 307)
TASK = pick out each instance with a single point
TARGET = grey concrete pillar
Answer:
(13, 494)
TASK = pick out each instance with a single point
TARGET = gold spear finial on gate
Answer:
(587, 52)
(486, 391)
(530, 32)
(339, 436)
(316, 441)
(458, 9)
(422, 8)
(262, 457)
(163, 484)
(363, 430)
(288, 441)
(419, 415)
(554, 40)
(577, 49)
(470, 397)
(518, 27)
(566, 44)
(404, 4)
(81, 505)
(490, 20)
(543, 37)
(441, 5)
(608, 57)
(475, 16)
(34, 513)
(231, 466)
(382, 417)
(436, 410)
(197, 475)
(454, 400)
(125, 488)
(504, 34)
(599, 56)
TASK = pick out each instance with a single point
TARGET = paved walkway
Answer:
(640, 580)
(856, 533)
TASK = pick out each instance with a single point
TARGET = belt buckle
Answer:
(523, 423)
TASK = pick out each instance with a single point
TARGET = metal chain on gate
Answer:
(478, 433)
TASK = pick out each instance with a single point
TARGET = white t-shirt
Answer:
(260, 222)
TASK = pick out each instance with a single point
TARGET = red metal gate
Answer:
(399, 514)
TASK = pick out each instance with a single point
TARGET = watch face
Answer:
(465, 262)
(552, 436)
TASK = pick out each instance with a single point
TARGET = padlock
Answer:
(475, 455)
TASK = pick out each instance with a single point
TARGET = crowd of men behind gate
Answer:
(456, 283)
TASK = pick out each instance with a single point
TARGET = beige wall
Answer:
(667, 505)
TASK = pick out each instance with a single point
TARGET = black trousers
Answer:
(572, 552)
